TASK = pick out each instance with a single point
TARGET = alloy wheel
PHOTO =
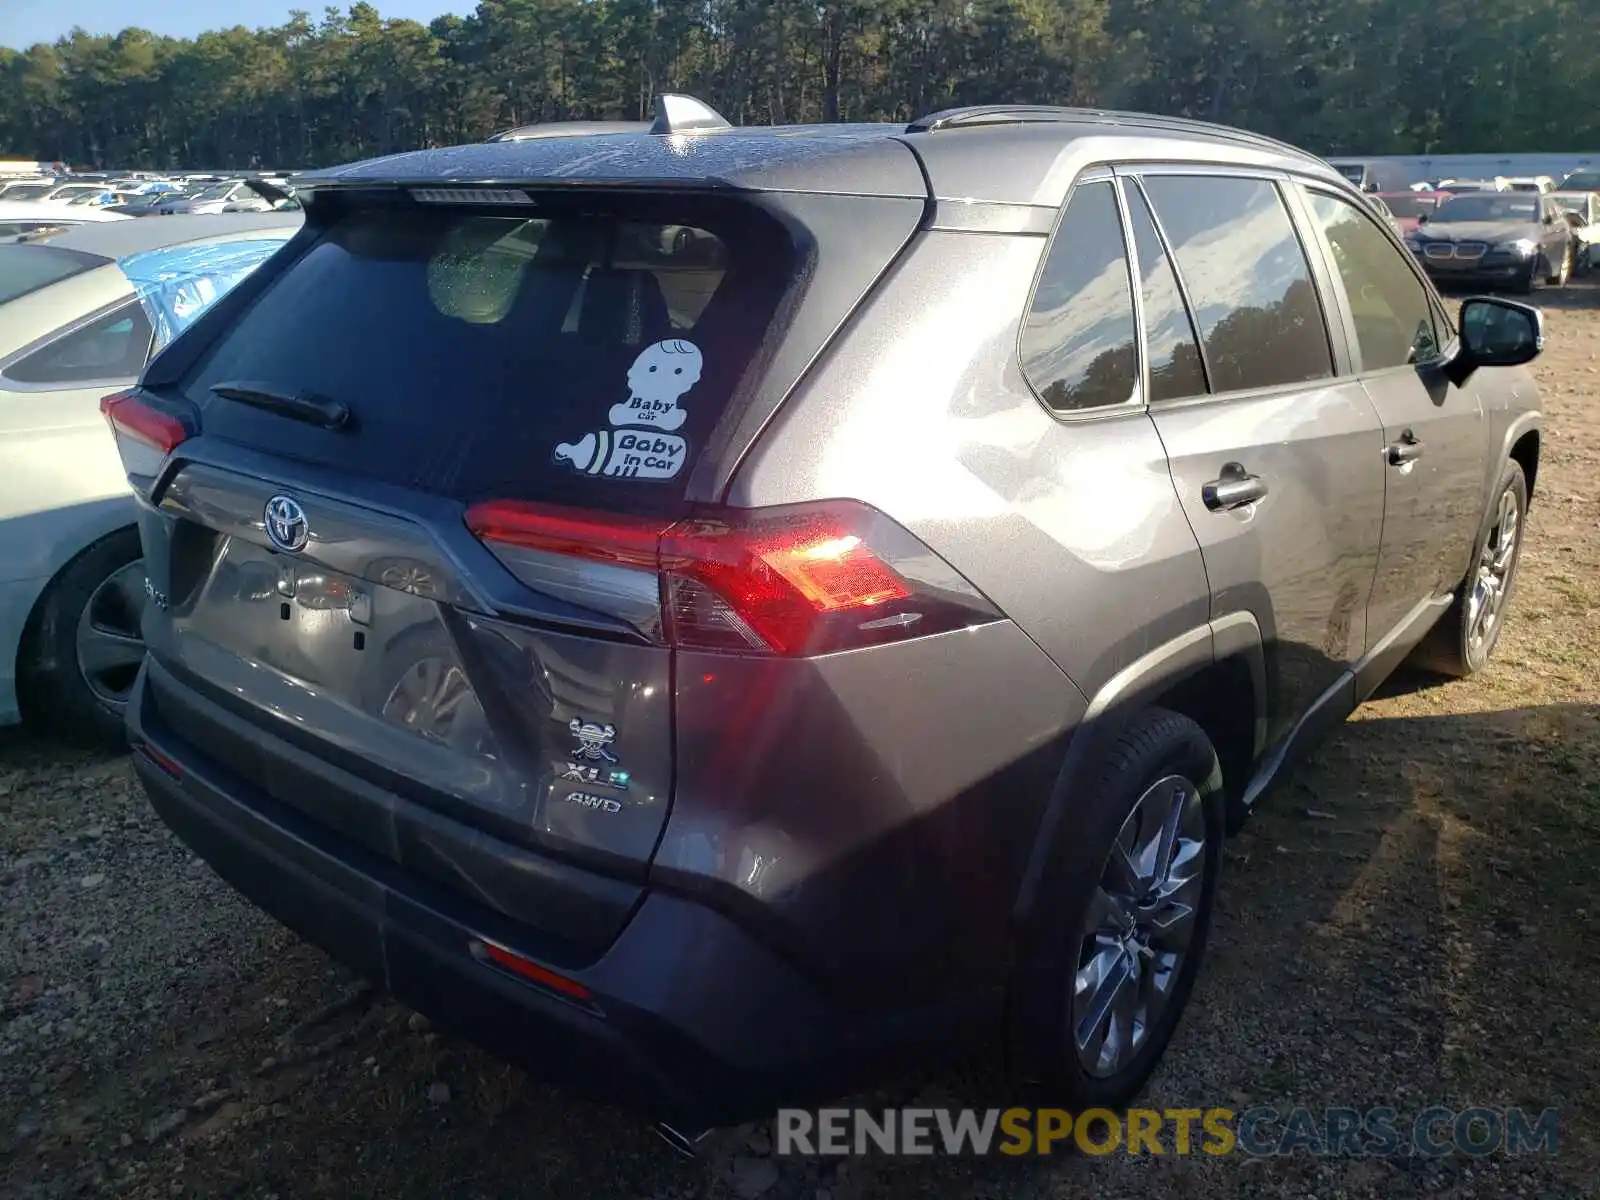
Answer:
(1140, 925)
(110, 644)
(1492, 578)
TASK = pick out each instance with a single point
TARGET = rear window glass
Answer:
(569, 357)
(25, 269)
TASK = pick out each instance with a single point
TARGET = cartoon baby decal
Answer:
(657, 380)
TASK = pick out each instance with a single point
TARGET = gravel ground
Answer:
(1408, 922)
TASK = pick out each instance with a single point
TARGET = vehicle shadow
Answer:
(1406, 921)
(1578, 295)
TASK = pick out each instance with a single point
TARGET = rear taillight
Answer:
(131, 417)
(145, 435)
(798, 580)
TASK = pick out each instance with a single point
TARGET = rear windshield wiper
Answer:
(306, 406)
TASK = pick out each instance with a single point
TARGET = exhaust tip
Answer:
(688, 1145)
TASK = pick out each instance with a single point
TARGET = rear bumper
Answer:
(688, 1018)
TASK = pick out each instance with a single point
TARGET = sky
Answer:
(24, 22)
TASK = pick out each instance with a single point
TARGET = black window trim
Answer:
(1127, 179)
(1139, 403)
(1357, 367)
(1337, 339)
(10, 384)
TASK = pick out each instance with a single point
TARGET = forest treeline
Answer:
(1335, 76)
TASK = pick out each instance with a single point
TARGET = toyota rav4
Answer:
(710, 668)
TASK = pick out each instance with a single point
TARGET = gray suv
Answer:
(713, 670)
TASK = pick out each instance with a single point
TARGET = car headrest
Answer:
(623, 306)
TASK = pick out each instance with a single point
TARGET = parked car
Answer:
(1357, 171)
(1527, 183)
(710, 685)
(80, 313)
(146, 203)
(1583, 214)
(1458, 187)
(1581, 181)
(1383, 210)
(51, 191)
(1517, 239)
(25, 219)
(1409, 208)
(11, 188)
(233, 195)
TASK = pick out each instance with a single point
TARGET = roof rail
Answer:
(677, 113)
(979, 115)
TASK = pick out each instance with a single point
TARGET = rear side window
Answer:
(114, 346)
(25, 269)
(570, 357)
(1248, 280)
(1173, 348)
(1079, 347)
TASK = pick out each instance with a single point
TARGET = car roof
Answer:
(43, 210)
(1001, 153)
(137, 234)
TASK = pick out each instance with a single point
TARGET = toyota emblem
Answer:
(286, 524)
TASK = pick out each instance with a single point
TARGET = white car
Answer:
(233, 195)
(80, 314)
(1583, 214)
(1542, 184)
(1473, 185)
(54, 190)
(21, 220)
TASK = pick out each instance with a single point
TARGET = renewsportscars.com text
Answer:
(1255, 1132)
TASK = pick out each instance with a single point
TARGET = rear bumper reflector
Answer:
(490, 952)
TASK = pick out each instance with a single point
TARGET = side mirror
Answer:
(1496, 333)
(1422, 218)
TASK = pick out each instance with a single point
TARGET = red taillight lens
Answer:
(774, 578)
(806, 579)
(569, 531)
(131, 417)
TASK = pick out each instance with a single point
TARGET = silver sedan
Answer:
(80, 315)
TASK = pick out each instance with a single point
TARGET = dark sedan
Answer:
(1517, 240)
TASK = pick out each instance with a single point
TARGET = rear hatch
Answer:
(362, 490)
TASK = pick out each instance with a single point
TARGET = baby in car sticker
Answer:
(641, 443)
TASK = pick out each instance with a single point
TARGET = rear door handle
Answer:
(1407, 450)
(1236, 488)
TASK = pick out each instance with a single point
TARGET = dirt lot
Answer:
(1408, 923)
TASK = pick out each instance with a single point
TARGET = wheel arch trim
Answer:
(1527, 422)
(1235, 635)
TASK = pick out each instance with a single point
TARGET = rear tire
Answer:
(82, 648)
(1461, 643)
(1099, 996)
